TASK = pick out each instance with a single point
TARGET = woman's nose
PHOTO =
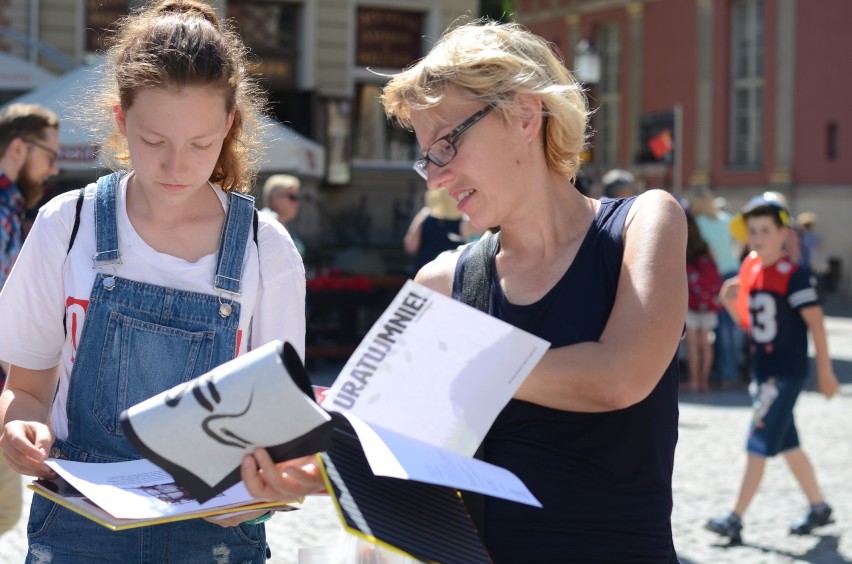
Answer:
(438, 175)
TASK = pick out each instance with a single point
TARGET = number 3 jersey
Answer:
(768, 305)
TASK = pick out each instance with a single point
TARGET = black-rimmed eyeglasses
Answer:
(442, 151)
(51, 153)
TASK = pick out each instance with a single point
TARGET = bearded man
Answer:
(29, 145)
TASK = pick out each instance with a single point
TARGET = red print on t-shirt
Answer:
(75, 312)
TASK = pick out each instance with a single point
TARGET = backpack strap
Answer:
(472, 286)
(79, 209)
(254, 227)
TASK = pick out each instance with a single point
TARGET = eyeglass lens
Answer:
(444, 150)
(441, 152)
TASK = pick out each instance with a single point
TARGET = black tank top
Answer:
(604, 479)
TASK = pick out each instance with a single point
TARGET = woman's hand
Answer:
(285, 481)
(25, 446)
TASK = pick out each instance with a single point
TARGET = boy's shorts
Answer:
(775, 431)
(706, 320)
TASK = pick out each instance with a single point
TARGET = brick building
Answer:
(752, 91)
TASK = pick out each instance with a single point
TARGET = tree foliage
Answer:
(498, 10)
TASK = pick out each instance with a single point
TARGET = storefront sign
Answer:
(78, 154)
(277, 66)
(388, 38)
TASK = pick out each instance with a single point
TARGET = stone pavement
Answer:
(708, 466)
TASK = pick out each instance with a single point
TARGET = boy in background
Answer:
(776, 304)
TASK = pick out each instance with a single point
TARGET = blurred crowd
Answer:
(714, 352)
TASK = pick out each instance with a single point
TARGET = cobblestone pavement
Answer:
(708, 466)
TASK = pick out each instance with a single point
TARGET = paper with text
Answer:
(138, 489)
(435, 369)
(396, 456)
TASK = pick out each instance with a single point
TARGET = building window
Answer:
(831, 148)
(271, 31)
(746, 118)
(387, 40)
(378, 138)
(609, 46)
(100, 17)
(267, 25)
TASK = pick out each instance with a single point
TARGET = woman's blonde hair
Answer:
(179, 44)
(441, 205)
(493, 62)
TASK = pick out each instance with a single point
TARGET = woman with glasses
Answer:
(592, 431)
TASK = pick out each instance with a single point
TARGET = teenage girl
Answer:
(160, 275)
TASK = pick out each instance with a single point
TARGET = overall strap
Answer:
(106, 230)
(81, 193)
(232, 246)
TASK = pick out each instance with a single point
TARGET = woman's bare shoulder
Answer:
(438, 274)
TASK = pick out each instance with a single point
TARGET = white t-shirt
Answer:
(45, 285)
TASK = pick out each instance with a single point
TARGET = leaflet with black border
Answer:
(200, 431)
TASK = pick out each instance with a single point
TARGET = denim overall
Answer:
(138, 340)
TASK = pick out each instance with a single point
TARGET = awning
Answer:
(286, 150)
(18, 75)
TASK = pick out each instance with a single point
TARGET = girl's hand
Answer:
(285, 481)
(25, 446)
